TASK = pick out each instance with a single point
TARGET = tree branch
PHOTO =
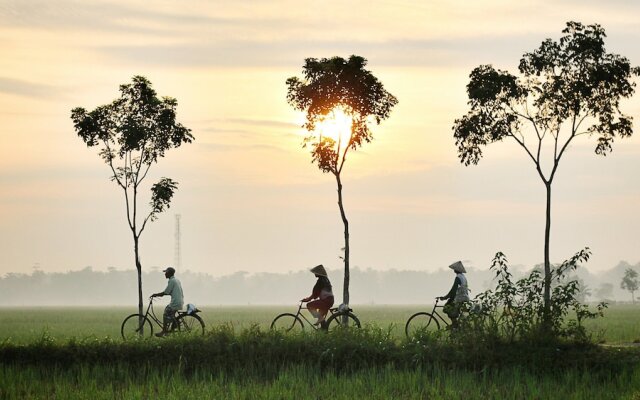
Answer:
(580, 123)
(131, 223)
(135, 195)
(344, 156)
(338, 158)
(123, 186)
(138, 179)
(144, 223)
(536, 158)
(557, 160)
(145, 173)
(113, 169)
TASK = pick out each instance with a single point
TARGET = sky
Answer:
(249, 197)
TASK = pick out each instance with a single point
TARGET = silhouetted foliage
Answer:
(132, 133)
(630, 282)
(515, 309)
(331, 84)
(566, 88)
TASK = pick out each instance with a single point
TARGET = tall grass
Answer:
(264, 352)
(437, 382)
(258, 363)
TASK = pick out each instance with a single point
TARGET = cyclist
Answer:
(174, 289)
(458, 294)
(321, 291)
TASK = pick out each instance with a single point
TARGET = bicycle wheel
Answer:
(287, 323)
(421, 322)
(188, 324)
(133, 327)
(342, 320)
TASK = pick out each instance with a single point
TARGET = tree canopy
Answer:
(630, 282)
(135, 129)
(573, 80)
(336, 83)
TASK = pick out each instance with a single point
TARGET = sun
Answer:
(336, 125)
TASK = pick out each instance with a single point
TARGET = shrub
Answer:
(514, 309)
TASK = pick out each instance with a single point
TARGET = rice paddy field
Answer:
(620, 325)
(77, 353)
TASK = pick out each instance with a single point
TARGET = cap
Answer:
(169, 269)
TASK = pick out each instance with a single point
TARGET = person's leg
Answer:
(314, 308)
(168, 318)
(165, 321)
(455, 313)
(450, 309)
(320, 308)
(327, 304)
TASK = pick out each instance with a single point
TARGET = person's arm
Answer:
(166, 291)
(314, 293)
(452, 292)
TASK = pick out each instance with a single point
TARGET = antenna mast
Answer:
(177, 257)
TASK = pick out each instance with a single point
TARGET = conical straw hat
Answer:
(319, 270)
(458, 267)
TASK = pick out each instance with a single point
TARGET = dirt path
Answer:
(616, 345)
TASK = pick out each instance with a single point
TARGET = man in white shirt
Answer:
(174, 289)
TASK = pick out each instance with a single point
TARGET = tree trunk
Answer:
(139, 269)
(547, 264)
(345, 291)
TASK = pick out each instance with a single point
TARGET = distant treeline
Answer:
(89, 287)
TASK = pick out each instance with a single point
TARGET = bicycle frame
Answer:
(435, 312)
(334, 315)
(151, 316)
(300, 314)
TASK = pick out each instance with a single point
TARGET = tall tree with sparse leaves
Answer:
(133, 132)
(566, 89)
(331, 84)
(630, 282)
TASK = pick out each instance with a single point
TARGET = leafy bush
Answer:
(263, 354)
(514, 309)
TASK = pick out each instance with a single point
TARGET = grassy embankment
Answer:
(236, 362)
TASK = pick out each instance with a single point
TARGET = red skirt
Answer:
(322, 305)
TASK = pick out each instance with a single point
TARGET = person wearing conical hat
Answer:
(322, 292)
(458, 294)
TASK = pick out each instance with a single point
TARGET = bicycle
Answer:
(339, 319)
(423, 321)
(140, 326)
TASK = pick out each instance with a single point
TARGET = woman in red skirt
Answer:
(321, 291)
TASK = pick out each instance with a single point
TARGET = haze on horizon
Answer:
(249, 197)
